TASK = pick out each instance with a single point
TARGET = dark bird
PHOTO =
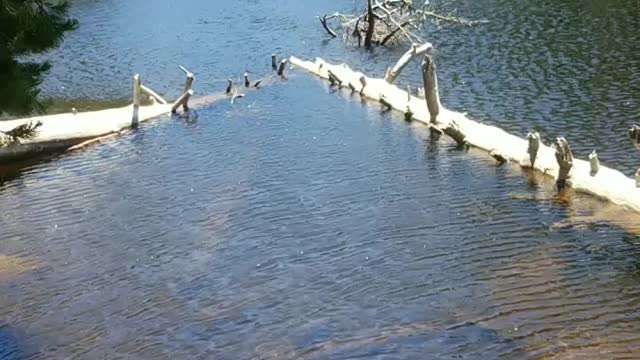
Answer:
(229, 86)
(246, 80)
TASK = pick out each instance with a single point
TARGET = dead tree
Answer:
(386, 22)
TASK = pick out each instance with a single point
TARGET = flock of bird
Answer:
(235, 93)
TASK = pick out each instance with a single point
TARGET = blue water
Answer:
(303, 223)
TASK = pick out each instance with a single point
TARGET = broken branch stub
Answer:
(283, 64)
(634, 136)
(363, 82)
(405, 59)
(594, 163)
(430, 87)
(333, 78)
(137, 93)
(564, 157)
(182, 100)
(533, 139)
(153, 94)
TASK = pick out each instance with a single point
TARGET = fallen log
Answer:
(61, 131)
(609, 184)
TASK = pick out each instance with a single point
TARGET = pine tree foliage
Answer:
(28, 27)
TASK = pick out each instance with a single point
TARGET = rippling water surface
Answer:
(303, 223)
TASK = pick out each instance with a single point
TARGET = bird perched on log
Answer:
(247, 83)
(229, 86)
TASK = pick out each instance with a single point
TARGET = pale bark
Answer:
(153, 94)
(182, 100)
(414, 52)
(609, 183)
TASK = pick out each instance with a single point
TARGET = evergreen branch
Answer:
(26, 131)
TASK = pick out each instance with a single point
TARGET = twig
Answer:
(323, 20)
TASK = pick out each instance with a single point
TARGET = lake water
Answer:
(303, 223)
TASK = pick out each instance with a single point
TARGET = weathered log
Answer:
(610, 184)
(61, 131)
(415, 51)
(68, 131)
(182, 100)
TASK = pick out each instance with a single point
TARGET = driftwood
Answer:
(608, 183)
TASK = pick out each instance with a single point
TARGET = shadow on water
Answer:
(10, 347)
